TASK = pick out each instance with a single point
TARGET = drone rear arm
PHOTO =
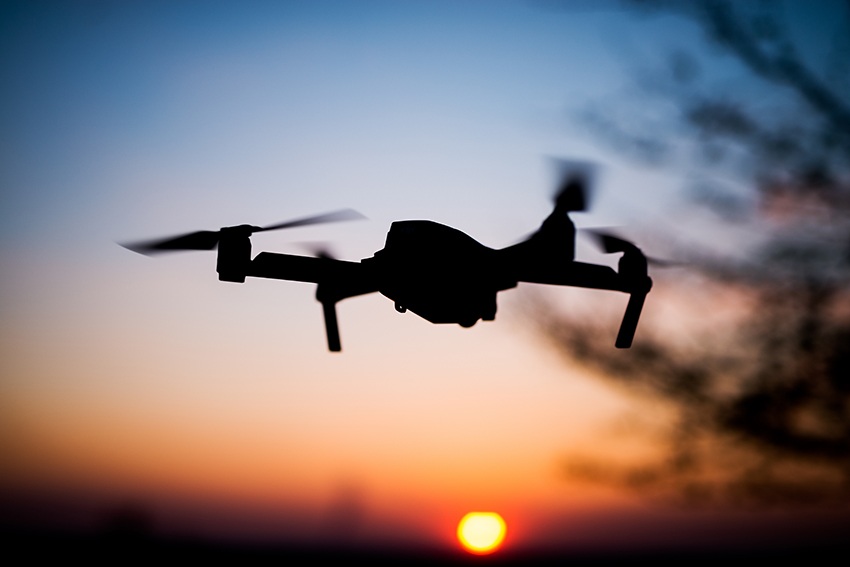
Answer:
(575, 274)
(630, 279)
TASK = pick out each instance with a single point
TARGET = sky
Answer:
(216, 407)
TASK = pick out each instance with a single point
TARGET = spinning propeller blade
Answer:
(574, 185)
(319, 249)
(611, 244)
(572, 194)
(200, 240)
(208, 240)
(336, 216)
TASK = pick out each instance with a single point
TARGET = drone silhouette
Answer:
(433, 270)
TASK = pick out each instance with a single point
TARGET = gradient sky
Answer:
(127, 378)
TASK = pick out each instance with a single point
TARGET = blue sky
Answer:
(290, 106)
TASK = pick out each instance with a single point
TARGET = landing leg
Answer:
(630, 320)
(331, 326)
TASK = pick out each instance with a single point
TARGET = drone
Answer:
(433, 270)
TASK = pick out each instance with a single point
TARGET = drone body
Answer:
(433, 270)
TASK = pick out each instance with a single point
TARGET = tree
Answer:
(761, 399)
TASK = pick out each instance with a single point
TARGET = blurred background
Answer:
(142, 394)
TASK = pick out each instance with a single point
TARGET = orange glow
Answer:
(481, 532)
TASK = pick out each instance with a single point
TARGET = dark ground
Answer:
(34, 546)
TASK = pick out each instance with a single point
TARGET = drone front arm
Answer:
(337, 279)
(298, 268)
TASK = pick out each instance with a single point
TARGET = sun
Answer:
(481, 532)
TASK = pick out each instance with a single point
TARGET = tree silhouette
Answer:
(762, 397)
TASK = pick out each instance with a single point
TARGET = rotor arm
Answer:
(337, 279)
(575, 274)
(631, 278)
(298, 268)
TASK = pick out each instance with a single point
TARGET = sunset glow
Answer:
(481, 532)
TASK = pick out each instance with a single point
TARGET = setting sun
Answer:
(481, 532)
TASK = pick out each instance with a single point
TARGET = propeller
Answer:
(208, 240)
(611, 244)
(574, 186)
(319, 249)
